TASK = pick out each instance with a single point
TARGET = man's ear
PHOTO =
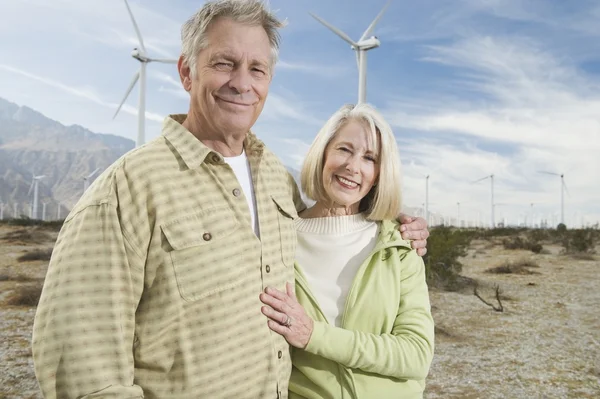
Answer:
(185, 74)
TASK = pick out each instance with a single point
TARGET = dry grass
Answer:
(520, 266)
(583, 256)
(18, 277)
(27, 236)
(25, 295)
(36, 254)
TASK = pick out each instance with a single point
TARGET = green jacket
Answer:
(385, 345)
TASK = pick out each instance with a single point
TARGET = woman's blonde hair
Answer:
(384, 200)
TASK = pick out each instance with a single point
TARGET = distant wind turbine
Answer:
(86, 179)
(563, 188)
(140, 55)
(491, 177)
(361, 47)
(44, 210)
(35, 187)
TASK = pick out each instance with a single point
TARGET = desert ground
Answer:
(545, 344)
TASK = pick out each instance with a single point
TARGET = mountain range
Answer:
(33, 144)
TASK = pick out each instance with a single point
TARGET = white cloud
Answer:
(86, 93)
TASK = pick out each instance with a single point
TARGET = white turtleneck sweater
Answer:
(330, 250)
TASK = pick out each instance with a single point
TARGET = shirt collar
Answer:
(192, 151)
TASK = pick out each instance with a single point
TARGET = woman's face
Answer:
(351, 166)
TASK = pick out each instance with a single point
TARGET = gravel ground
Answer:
(546, 344)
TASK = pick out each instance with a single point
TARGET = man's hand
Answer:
(414, 228)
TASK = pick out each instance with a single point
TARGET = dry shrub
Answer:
(25, 295)
(37, 254)
(583, 256)
(519, 267)
(26, 236)
(18, 277)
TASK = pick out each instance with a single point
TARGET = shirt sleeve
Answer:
(83, 333)
(404, 353)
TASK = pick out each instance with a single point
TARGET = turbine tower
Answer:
(140, 55)
(491, 177)
(35, 186)
(364, 44)
(86, 179)
(563, 188)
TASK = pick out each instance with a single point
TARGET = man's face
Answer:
(232, 79)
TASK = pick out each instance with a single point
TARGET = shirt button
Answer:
(236, 192)
(268, 269)
(215, 158)
(207, 236)
(280, 354)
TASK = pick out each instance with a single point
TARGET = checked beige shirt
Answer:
(153, 286)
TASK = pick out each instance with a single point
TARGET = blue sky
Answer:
(471, 87)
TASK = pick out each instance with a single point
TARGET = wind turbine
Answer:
(140, 55)
(491, 177)
(35, 186)
(364, 44)
(458, 214)
(44, 204)
(1, 210)
(86, 179)
(563, 188)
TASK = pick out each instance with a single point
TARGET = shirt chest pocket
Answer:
(204, 256)
(286, 212)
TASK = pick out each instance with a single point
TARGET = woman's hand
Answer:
(286, 316)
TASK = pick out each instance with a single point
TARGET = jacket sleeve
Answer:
(405, 353)
(83, 331)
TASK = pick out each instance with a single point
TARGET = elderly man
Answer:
(153, 287)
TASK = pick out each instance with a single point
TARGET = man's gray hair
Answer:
(250, 12)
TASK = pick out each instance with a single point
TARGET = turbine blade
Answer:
(133, 82)
(377, 18)
(30, 187)
(566, 189)
(478, 180)
(92, 174)
(335, 30)
(163, 60)
(137, 30)
(548, 173)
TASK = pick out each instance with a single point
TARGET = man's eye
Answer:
(344, 149)
(260, 71)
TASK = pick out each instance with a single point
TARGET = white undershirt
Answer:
(330, 251)
(241, 168)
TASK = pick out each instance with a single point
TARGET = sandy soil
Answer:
(546, 343)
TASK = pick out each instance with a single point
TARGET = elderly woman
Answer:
(359, 322)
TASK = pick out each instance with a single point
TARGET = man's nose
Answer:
(241, 80)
